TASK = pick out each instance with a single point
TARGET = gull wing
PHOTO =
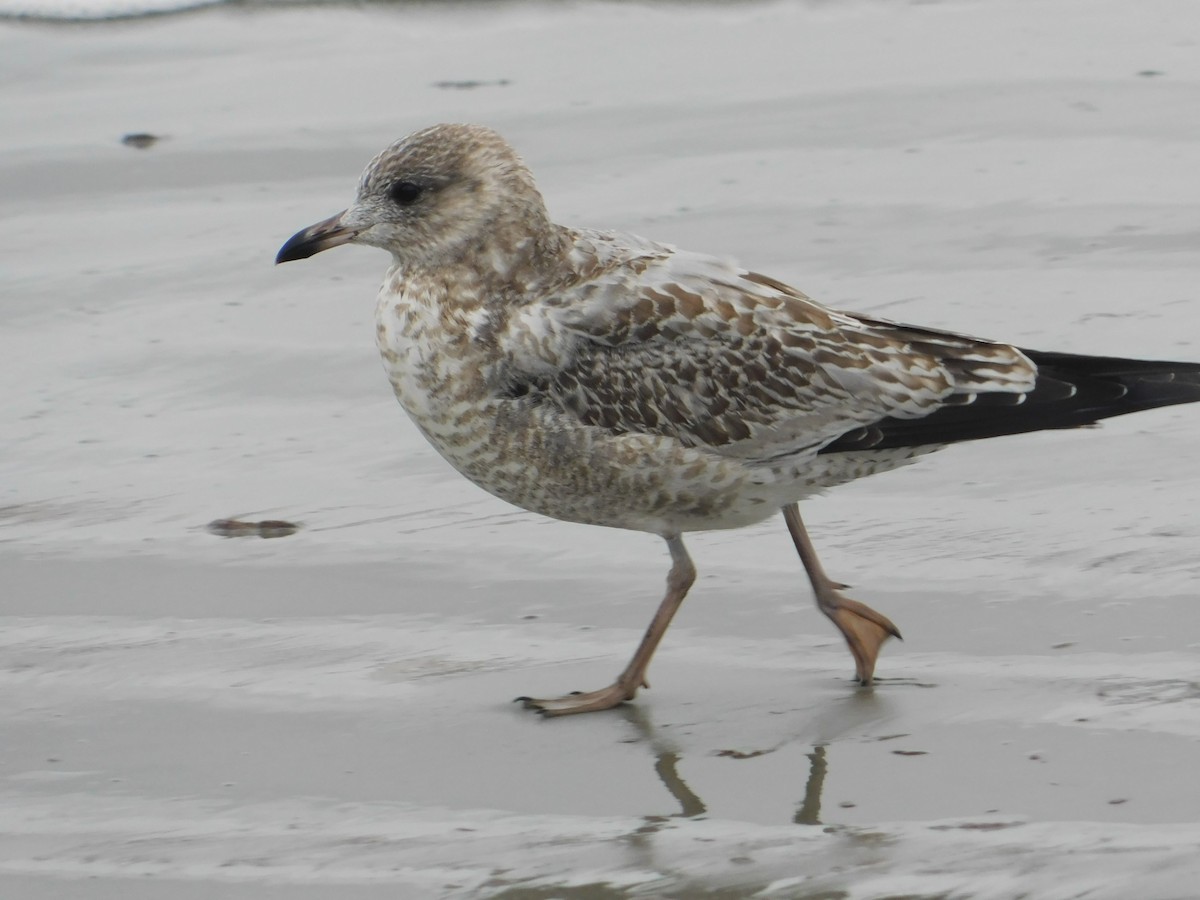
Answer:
(650, 340)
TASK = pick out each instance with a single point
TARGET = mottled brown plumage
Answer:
(603, 378)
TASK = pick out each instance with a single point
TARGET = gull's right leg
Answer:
(864, 629)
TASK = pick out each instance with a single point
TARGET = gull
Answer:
(602, 378)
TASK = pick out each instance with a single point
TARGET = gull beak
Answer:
(331, 232)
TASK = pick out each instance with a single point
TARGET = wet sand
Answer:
(327, 713)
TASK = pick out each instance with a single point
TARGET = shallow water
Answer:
(238, 717)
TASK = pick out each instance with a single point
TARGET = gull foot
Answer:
(577, 702)
(865, 630)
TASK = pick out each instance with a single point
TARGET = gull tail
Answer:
(1071, 391)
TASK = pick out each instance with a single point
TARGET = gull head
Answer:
(434, 198)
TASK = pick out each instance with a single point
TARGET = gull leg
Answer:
(864, 629)
(679, 579)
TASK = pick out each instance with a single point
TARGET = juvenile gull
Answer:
(602, 378)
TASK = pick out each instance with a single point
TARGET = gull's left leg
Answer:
(864, 629)
(679, 579)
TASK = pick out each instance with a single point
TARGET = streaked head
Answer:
(431, 197)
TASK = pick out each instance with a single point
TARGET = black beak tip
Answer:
(331, 232)
(298, 246)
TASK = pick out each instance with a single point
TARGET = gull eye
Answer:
(406, 193)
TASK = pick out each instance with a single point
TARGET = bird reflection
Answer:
(666, 767)
(849, 716)
(666, 763)
(809, 812)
